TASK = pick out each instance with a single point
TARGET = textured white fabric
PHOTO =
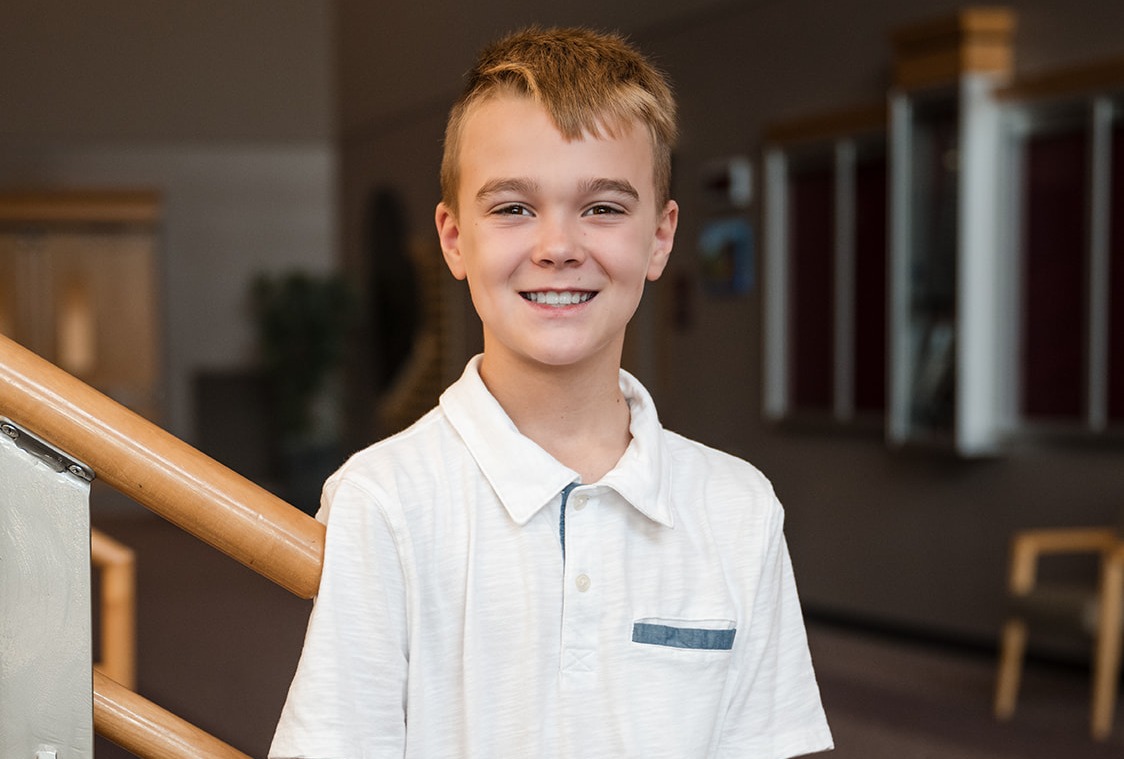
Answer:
(448, 623)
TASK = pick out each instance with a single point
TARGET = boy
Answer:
(536, 568)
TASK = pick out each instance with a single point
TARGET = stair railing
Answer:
(181, 484)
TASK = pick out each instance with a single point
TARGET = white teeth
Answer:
(553, 298)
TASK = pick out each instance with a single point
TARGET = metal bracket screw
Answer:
(46, 452)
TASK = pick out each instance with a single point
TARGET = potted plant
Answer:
(302, 323)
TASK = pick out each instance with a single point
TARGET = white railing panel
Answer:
(46, 706)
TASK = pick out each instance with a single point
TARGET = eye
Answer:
(512, 209)
(602, 209)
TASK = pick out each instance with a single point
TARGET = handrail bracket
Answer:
(45, 452)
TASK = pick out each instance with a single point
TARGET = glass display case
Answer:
(825, 251)
(955, 265)
(946, 307)
(1067, 242)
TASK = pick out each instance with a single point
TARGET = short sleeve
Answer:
(775, 709)
(347, 698)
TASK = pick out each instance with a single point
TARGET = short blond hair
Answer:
(589, 83)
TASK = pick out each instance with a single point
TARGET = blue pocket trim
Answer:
(683, 637)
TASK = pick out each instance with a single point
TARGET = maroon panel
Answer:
(812, 273)
(870, 284)
(1054, 270)
(1116, 279)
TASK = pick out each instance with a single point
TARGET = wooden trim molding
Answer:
(869, 118)
(935, 53)
(1083, 79)
(141, 207)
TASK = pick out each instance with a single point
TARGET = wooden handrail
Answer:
(184, 486)
(140, 726)
(117, 563)
(162, 473)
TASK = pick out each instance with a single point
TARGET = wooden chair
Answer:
(1096, 611)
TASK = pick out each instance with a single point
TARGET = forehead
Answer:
(507, 132)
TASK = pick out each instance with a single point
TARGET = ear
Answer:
(448, 232)
(664, 240)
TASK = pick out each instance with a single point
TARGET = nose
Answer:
(559, 243)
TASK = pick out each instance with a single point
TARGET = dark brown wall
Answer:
(909, 539)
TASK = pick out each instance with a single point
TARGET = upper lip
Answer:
(558, 290)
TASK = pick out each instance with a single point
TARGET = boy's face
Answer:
(556, 238)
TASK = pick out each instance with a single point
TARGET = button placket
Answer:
(581, 614)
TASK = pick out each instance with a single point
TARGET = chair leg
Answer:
(1106, 664)
(1012, 648)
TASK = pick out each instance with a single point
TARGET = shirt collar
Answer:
(526, 478)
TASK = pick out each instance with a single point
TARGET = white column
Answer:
(844, 385)
(775, 291)
(1100, 177)
(979, 309)
(900, 365)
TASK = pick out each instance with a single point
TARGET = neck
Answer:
(575, 413)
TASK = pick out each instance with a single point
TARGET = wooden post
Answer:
(117, 564)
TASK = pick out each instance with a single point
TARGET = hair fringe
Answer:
(589, 82)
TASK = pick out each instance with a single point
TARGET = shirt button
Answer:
(583, 582)
(580, 501)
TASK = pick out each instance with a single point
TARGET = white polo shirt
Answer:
(449, 624)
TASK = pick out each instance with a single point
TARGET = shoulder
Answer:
(408, 461)
(692, 465)
(699, 462)
(734, 495)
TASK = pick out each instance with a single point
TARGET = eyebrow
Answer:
(616, 186)
(496, 186)
(522, 186)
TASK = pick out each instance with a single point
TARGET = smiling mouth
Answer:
(556, 298)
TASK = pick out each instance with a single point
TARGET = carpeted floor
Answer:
(892, 699)
(217, 645)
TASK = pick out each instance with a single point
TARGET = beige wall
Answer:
(226, 108)
(140, 70)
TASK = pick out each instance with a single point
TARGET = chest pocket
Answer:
(704, 635)
(678, 672)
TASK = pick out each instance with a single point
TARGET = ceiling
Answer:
(270, 69)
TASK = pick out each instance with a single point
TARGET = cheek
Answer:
(635, 260)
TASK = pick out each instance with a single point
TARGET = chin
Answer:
(561, 359)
